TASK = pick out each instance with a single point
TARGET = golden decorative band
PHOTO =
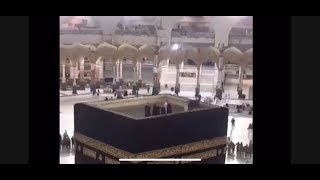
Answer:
(202, 155)
(159, 153)
(110, 161)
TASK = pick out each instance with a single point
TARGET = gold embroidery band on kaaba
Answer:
(159, 153)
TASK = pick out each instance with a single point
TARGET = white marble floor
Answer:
(238, 133)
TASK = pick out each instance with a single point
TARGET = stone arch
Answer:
(247, 57)
(232, 55)
(146, 53)
(107, 51)
(192, 56)
(127, 51)
(164, 54)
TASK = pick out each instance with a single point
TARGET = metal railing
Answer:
(81, 31)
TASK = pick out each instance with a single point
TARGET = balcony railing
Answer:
(135, 33)
(80, 31)
(192, 34)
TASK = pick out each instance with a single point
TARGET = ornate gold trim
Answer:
(110, 161)
(159, 153)
(202, 155)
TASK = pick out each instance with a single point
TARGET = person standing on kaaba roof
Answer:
(98, 92)
(166, 106)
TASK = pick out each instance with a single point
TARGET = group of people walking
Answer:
(95, 91)
(65, 142)
(238, 148)
(242, 151)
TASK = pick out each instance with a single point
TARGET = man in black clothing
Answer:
(238, 147)
(232, 121)
(72, 142)
(232, 147)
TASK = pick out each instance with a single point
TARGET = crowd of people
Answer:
(66, 143)
(244, 107)
(95, 91)
(242, 151)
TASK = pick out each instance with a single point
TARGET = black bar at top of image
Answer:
(44, 91)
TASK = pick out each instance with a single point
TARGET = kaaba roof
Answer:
(134, 107)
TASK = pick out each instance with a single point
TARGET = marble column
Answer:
(97, 71)
(82, 71)
(74, 89)
(177, 86)
(134, 74)
(198, 81)
(101, 73)
(92, 77)
(156, 77)
(118, 72)
(114, 73)
(70, 71)
(140, 75)
(137, 70)
(63, 73)
(75, 74)
(220, 72)
(241, 76)
(120, 75)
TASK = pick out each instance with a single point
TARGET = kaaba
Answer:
(106, 131)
